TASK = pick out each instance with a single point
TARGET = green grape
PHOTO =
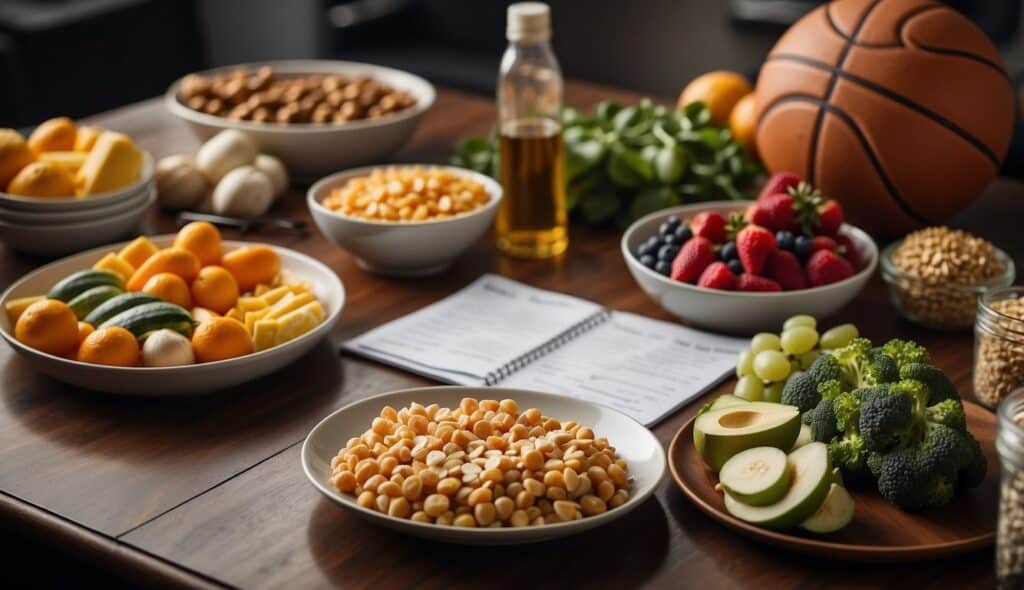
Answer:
(764, 341)
(839, 336)
(745, 364)
(773, 393)
(771, 365)
(799, 340)
(807, 359)
(749, 388)
(800, 320)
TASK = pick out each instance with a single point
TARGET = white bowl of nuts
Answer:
(437, 463)
(409, 220)
(315, 115)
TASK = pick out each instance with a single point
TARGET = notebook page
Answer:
(643, 367)
(478, 329)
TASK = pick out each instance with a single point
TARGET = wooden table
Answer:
(209, 491)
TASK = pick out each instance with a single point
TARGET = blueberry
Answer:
(663, 266)
(673, 221)
(648, 260)
(803, 246)
(670, 240)
(666, 229)
(654, 242)
(735, 266)
(728, 252)
(684, 233)
(643, 250)
(785, 240)
(668, 252)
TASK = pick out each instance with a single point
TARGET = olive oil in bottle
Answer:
(532, 220)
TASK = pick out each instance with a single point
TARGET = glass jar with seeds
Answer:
(999, 345)
(1010, 535)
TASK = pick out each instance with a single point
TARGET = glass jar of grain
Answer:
(1010, 536)
(999, 345)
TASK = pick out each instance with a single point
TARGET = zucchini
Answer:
(150, 317)
(88, 300)
(67, 288)
(112, 307)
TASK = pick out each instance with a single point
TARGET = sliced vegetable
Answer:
(70, 286)
(150, 317)
(834, 513)
(116, 305)
(756, 476)
(88, 300)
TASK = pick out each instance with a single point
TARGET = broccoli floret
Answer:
(801, 391)
(882, 368)
(886, 420)
(949, 412)
(823, 422)
(830, 389)
(939, 386)
(900, 480)
(848, 453)
(913, 389)
(846, 407)
(905, 352)
(860, 366)
(823, 369)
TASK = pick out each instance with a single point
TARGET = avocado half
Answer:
(720, 433)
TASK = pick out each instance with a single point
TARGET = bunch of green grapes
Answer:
(765, 367)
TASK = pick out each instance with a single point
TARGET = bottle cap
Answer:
(528, 21)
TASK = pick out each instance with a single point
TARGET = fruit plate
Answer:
(174, 381)
(880, 532)
(631, 440)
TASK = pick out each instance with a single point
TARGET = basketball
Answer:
(899, 109)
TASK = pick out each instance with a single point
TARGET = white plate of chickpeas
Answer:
(483, 466)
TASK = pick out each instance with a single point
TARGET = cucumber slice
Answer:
(75, 283)
(834, 513)
(756, 476)
(88, 300)
(810, 480)
(803, 438)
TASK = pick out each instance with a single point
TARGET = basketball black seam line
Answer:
(895, 97)
(865, 145)
(833, 80)
(899, 26)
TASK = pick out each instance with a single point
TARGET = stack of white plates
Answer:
(55, 226)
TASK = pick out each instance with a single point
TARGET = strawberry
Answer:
(710, 225)
(780, 182)
(749, 282)
(823, 243)
(830, 218)
(774, 212)
(785, 269)
(696, 255)
(849, 251)
(717, 276)
(755, 244)
(826, 267)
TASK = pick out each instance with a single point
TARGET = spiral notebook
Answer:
(497, 331)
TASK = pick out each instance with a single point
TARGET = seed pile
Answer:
(482, 464)
(407, 194)
(1010, 536)
(938, 260)
(999, 357)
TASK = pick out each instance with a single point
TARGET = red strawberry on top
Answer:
(850, 251)
(774, 212)
(784, 268)
(754, 245)
(710, 225)
(696, 255)
(830, 218)
(823, 243)
(825, 267)
(780, 182)
(749, 282)
(717, 276)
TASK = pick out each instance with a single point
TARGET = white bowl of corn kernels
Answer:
(437, 463)
(407, 220)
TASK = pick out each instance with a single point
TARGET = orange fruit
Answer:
(14, 155)
(719, 90)
(743, 123)
(173, 260)
(53, 135)
(49, 326)
(202, 239)
(42, 179)
(217, 339)
(110, 346)
(252, 265)
(215, 289)
(84, 329)
(169, 287)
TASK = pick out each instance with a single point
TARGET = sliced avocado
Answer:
(803, 438)
(834, 513)
(720, 434)
(757, 476)
(837, 477)
(810, 481)
(724, 401)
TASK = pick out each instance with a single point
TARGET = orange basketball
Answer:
(900, 109)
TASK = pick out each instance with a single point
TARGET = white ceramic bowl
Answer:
(313, 150)
(632, 442)
(174, 381)
(403, 249)
(77, 216)
(62, 238)
(733, 311)
(68, 204)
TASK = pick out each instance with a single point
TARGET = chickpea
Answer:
(485, 513)
(592, 505)
(465, 520)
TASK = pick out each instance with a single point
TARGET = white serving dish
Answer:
(57, 239)
(67, 204)
(737, 312)
(403, 249)
(631, 440)
(174, 381)
(312, 150)
(77, 216)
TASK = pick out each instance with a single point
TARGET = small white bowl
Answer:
(66, 204)
(312, 150)
(737, 312)
(174, 381)
(403, 249)
(631, 440)
(60, 217)
(62, 238)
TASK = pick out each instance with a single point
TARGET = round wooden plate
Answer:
(880, 532)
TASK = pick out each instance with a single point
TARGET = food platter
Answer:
(880, 532)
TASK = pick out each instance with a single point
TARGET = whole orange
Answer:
(110, 346)
(84, 329)
(743, 123)
(173, 260)
(202, 239)
(49, 326)
(719, 91)
(222, 338)
(170, 288)
(252, 265)
(215, 289)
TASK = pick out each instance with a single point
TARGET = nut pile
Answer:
(1010, 535)
(407, 194)
(482, 464)
(938, 260)
(999, 356)
(266, 97)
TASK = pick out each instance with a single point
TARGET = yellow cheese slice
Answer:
(264, 333)
(285, 305)
(70, 161)
(113, 163)
(116, 265)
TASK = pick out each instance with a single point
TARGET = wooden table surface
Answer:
(209, 491)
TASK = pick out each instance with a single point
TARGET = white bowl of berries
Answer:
(741, 267)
